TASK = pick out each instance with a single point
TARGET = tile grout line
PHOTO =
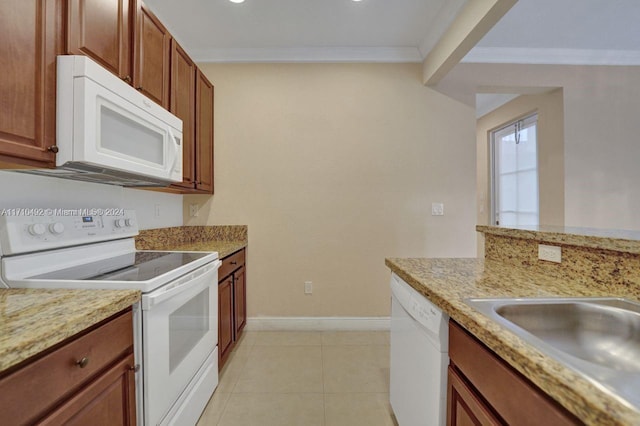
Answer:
(222, 410)
(233, 388)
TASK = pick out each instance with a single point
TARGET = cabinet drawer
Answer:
(31, 391)
(517, 401)
(231, 263)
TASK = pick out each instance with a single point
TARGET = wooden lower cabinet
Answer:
(464, 406)
(232, 302)
(109, 400)
(88, 379)
(484, 390)
(240, 301)
(225, 317)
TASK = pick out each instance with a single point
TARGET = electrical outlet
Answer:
(308, 287)
(437, 209)
(193, 210)
(550, 253)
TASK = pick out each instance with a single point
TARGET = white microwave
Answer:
(108, 132)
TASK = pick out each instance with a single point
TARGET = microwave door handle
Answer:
(175, 147)
(155, 298)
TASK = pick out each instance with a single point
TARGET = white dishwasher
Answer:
(419, 357)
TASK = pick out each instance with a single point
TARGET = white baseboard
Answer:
(318, 324)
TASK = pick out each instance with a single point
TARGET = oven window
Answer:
(187, 325)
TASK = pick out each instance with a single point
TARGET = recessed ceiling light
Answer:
(239, 1)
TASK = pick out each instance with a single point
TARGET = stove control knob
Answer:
(120, 223)
(56, 228)
(37, 229)
(127, 222)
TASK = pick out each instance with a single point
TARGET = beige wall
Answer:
(334, 167)
(550, 133)
(601, 128)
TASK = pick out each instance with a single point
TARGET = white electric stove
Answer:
(175, 325)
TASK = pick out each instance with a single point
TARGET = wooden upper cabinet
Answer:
(204, 134)
(101, 30)
(183, 105)
(151, 60)
(31, 34)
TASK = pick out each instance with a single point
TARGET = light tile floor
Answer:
(304, 379)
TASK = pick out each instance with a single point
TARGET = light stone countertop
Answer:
(225, 239)
(607, 239)
(33, 320)
(446, 282)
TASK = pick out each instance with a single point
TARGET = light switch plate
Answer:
(550, 253)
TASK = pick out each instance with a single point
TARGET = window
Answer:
(514, 186)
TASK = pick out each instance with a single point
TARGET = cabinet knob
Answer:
(134, 368)
(127, 79)
(83, 362)
(234, 263)
(53, 148)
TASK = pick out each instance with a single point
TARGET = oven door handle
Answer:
(188, 283)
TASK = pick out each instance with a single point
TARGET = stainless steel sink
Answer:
(598, 337)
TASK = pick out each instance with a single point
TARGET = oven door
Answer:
(180, 331)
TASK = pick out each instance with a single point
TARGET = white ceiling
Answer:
(578, 32)
(307, 30)
(533, 31)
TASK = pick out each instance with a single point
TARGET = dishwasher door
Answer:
(419, 358)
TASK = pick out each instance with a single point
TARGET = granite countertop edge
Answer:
(223, 248)
(446, 282)
(602, 239)
(34, 320)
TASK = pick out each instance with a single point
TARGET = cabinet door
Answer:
(101, 29)
(183, 105)
(225, 319)
(151, 60)
(35, 389)
(31, 34)
(204, 134)
(509, 393)
(464, 407)
(240, 293)
(108, 400)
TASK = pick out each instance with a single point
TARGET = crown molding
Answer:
(511, 55)
(308, 54)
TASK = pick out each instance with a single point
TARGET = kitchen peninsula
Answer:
(595, 264)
